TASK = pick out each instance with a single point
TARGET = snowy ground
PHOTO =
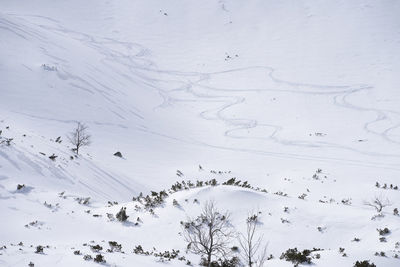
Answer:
(265, 91)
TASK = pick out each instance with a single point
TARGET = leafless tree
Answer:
(210, 233)
(251, 243)
(79, 137)
(378, 202)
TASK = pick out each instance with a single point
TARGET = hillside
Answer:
(298, 98)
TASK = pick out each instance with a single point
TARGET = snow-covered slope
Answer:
(270, 91)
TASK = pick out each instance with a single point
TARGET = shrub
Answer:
(396, 212)
(168, 255)
(114, 246)
(378, 202)
(364, 264)
(6, 141)
(297, 257)
(302, 196)
(139, 250)
(382, 254)
(87, 257)
(83, 200)
(96, 248)
(39, 249)
(19, 186)
(232, 262)
(383, 231)
(99, 258)
(121, 215)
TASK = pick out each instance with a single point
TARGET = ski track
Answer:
(142, 70)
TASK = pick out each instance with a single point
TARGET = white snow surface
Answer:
(264, 91)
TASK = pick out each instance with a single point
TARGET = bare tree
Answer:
(378, 202)
(79, 137)
(210, 233)
(250, 244)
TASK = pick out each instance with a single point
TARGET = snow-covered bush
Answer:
(114, 246)
(87, 257)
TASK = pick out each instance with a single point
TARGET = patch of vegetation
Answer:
(156, 199)
(384, 231)
(87, 257)
(20, 186)
(83, 200)
(99, 259)
(232, 262)
(114, 246)
(386, 186)
(161, 256)
(298, 257)
(121, 215)
(364, 264)
(96, 248)
(380, 254)
(39, 249)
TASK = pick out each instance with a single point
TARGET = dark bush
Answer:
(232, 262)
(87, 257)
(114, 246)
(39, 249)
(139, 250)
(384, 231)
(99, 258)
(20, 186)
(96, 248)
(364, 264)
(297, 257)
(121, 215)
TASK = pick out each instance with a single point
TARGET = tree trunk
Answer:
(209, 259)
